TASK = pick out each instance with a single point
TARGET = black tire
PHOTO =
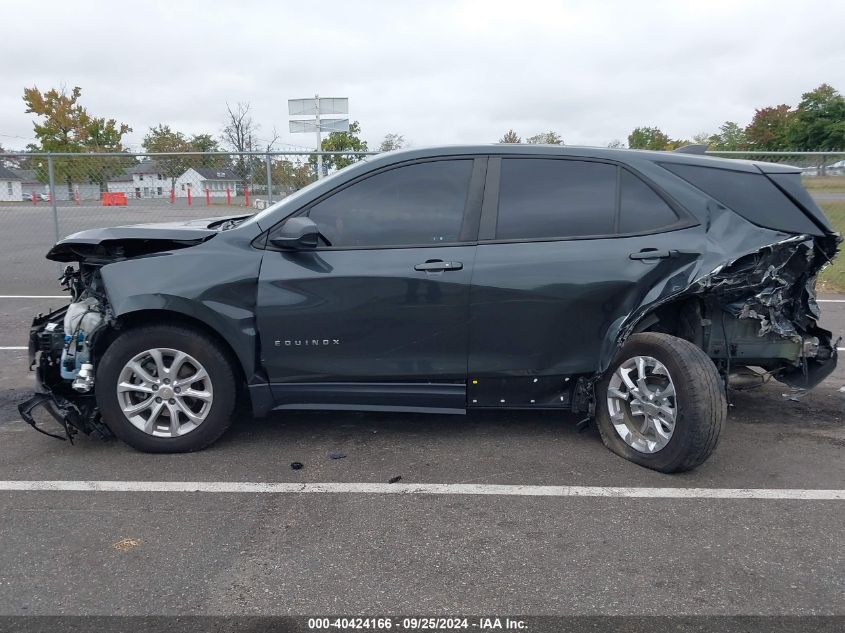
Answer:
(198, 345)
(700, 403)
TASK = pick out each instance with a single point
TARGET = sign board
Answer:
(326, 125)
(328, 105)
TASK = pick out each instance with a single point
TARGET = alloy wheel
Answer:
(642, 404)
(164, 392)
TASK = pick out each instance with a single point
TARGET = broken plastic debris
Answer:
(337, 455)
(296, 465)
(795, 394)
(393, 480)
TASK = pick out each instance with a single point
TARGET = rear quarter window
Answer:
(751, 195)
(641, 210)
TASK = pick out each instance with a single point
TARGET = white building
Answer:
(216, 180)
(10, 186)
(144, 180)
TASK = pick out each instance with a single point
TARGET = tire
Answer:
(133, 359)
(698, 404)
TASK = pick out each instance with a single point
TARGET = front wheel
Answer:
(661, 403)
(165, 389)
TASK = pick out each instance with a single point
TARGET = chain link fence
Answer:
(44, 197)
(812, 164)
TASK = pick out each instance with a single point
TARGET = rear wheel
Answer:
(661, 404)
(165, 389)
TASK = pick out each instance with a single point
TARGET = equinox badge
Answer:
(308, 342)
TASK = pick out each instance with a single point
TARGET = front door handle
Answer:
(438, 265)
(653, 253)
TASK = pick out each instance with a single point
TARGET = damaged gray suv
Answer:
(626, 286)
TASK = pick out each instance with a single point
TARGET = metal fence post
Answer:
(52, 180)
(269, 162)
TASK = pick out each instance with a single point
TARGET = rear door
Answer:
(386, 298)
(567, 249)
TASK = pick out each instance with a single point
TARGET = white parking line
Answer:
(68, 297)
(839, 349)
(424, 489)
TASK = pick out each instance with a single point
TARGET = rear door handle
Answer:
(653, 253)
(438, 265)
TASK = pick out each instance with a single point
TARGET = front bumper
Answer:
(74, 412)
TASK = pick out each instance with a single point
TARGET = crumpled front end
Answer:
(61, 346)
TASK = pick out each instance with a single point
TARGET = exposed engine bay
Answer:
(61, 345)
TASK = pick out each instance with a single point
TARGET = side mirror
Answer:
(297, 233)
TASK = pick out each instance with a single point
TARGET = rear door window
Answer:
(548, 198)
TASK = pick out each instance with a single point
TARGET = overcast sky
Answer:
(436, 72)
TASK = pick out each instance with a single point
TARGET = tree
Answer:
(819, 121)
(239, 134)
(339, 142)
(648, 138)
(730, 138)
(545, 138)
(510, 137)
(292, 175)
(769, 129)
(162, 139)
(702, 138)
(391, 142)
(616, 144)
(64, 125)
(207, 143)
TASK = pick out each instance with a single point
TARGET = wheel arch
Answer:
(153, 316)
(683, 317)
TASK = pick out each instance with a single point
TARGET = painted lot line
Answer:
(423, 489)
(67, 297)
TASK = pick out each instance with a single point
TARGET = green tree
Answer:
(510, 137)
(162, 139)
(730, 137)
(648, 138)
(292, 175)
(340, 142)
(545, 138)
(819, 121)
(64, 125)
(702, 138)
(391, 142)
(207, 143)
(769, 129)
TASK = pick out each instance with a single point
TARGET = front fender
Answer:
(215, 284)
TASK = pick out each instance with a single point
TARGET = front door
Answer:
(385, 298)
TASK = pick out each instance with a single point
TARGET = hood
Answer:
(121, 242)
